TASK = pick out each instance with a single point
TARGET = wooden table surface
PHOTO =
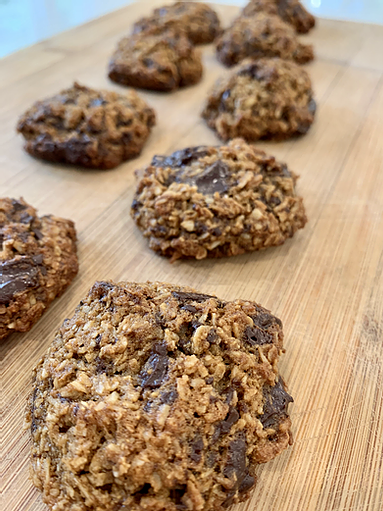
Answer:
(326, 283)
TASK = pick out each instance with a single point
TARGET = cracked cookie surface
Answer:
(38, 262)
(200, 21)
(291, 11)
(160, 61)
(219, 201)
(157, 397)
(261, 99)
(87, 127)
(261, 35)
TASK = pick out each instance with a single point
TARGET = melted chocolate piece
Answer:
(155, 369)
(196, 449)
(312, 106)
(17, 205)
(256, 336)
(169, 397)
(39, 235)
(224, 427)
(276, 404)
(236, 460)
(265, 320)
(212, 336)
(236, 464)
(189, 308)
(180, 158)
(254, 70)
(196, 297)
(17, 276)
(213, 179)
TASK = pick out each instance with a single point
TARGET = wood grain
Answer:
(326, 283)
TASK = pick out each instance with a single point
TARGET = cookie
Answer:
(161, 61)
(38, 262)
(216, 201)
(200, 21)
(157, 397)
(91, 128)
(265, 98)
(261, 35)
(291, 11)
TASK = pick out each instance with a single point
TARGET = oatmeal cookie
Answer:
(291, 11)
(157, 397)
(38, 262)
(216, 201)
(261, 35)
(87, 127)
(265, 98)
(200, 21)
(160, 61)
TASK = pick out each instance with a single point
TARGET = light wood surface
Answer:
(326, 283)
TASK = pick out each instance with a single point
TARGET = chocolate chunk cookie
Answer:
(216, 201)
(38, 262)
(200, 21)
(157, 397)
(261, 35)
(291, 11)
(92, 128)
(160, 61)
(265, 98)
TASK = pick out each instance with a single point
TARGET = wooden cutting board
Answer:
(326, 283)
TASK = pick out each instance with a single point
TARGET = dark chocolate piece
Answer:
(276, 404)
(17, 276)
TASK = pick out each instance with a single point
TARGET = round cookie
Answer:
(216, 201)
(160, 61)
(261, 35)
(291, 11)
(265, 98)
(87, 127)
(157, 397)
(38, 262)
(200, 21)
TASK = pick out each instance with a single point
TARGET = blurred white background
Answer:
(25, 22)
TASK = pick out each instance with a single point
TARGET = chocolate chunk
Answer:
(196, 297)
(257, 337)
(247, 483)
(17, 205)
(155, 369)
(258, 72)
(236, 460)
(210, 380)
(264, 320)
(212, 336)
(196, 449)
(169, 397)
(236, 465)
(276, 404)
(215, 178)
(189, 308)
(224, 427)
(229, 395)
(39, 235)
(17, 276)
(312, 106)
(180, 158)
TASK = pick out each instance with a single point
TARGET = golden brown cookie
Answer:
(157, 397)
(161, 61)
(265, 98)
(219, 201)
(261, 35)
(91, 128)
(291, 11)
(38, 262)
(199, 20)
